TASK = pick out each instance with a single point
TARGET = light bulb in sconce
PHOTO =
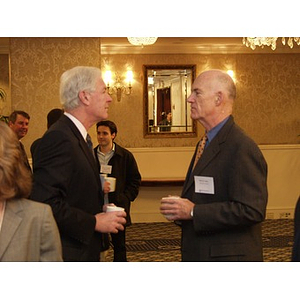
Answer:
(129, 78)
(108, 78)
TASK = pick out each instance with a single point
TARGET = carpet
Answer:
(160, 241)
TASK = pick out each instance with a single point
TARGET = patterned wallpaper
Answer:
(36, 67)
(267, 105)
(5, 105)
(268, 98)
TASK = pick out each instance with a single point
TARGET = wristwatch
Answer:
(192, 212)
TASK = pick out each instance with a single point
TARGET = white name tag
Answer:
(204, 185)
(106, 169)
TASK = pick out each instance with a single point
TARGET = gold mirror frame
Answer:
(147, 132)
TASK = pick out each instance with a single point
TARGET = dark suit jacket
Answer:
(67, 178)
(128, 178)
(227, 224)
(296, 245)
(29, 233)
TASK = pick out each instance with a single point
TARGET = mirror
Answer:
(166, 89)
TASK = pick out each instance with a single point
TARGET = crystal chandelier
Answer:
(252, 42)
(142, 41)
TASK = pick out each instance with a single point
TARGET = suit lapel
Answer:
(83, 145)
(11, 222)
(208, 155)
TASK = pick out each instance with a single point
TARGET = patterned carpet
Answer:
(160, 242)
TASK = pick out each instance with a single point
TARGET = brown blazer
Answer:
(227, 223)
(29, 233)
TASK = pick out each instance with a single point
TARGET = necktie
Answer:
(200, 149)
(89, 142)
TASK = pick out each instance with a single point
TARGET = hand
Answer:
(110, 222)
(176, 209)
(106, 187)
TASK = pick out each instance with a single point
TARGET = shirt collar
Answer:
(112, 150)
(78, 124)
(214, 131)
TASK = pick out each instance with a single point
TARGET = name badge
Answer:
(106, 169)
(204, 185)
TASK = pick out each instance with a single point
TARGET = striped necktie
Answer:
(89, 142)
(200, 149)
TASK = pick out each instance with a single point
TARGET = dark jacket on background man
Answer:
(128, 178)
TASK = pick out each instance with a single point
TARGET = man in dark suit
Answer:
(224, 197)
(65, 171)
(296, 244)
(52, 116)
(18, 121)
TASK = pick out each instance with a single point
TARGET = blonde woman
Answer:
(28, 231)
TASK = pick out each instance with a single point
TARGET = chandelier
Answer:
(252, 42)
(142, 41)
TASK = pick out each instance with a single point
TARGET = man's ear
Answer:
(84, 97)
(219, 98)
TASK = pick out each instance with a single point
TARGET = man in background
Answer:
(224, 196)
(52, 116)
(116, 161)
(18, 121)
(65, 172)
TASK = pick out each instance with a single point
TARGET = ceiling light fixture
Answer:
(142, 41)
(252, 42)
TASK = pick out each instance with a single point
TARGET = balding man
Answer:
(224, 197)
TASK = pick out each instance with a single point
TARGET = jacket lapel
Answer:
(11, 222)
(83, 145)
(208, 155)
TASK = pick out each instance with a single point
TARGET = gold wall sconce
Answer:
(116, 86)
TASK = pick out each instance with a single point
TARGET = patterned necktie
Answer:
(200, 149)
(90, 144)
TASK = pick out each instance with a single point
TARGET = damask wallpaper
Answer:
(5, 104)
(267, 105)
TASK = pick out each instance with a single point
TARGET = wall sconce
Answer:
(117, 87)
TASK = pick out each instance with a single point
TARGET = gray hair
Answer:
(75, 80)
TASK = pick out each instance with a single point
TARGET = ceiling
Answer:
(178, 45)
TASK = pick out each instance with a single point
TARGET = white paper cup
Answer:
(112, 181)
(168, 217)
(110, 208)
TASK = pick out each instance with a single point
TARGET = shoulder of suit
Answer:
(121, 150)
(27, 204)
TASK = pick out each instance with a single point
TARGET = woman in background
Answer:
(28, 231)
